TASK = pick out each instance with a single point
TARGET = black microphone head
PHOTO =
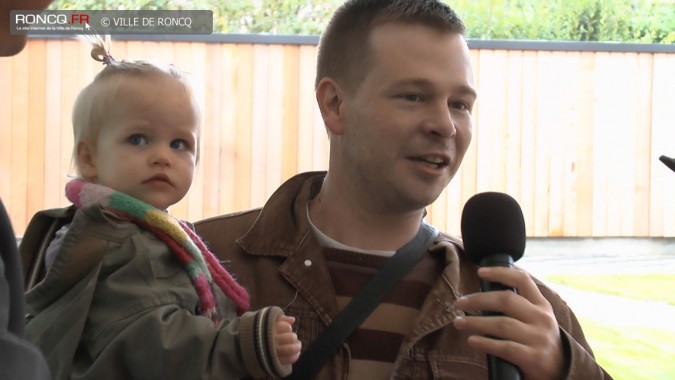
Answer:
(669, 162)
(492, 223)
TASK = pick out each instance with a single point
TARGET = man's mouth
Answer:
(433, 161)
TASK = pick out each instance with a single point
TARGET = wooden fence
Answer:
(574, 136)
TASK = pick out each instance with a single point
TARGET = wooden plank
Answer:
(273, 127)
(89, 67)
(639, 194)
(582, 164)
(514, 123)
(19, 137)
(134, 50)
(542, 145)
(260, 112)
(555, 120)
(307, 102)
(490, 132)
(615, 144)
(54, 112)
(244, 62)
(199, 77)
(71, 85)
(496, 88)
(119, 49)
(601, 139)
(36, 128)
(291, 112)
(528, 139)
(229, 112)
(211, 126)
(566, 219)
(662, 217)
(320, 142)
(624, 150)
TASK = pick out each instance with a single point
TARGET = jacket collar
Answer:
(285, 229)
(287, 233)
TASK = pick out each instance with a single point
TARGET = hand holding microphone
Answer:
(518, 329)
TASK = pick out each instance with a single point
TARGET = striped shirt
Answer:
(375, 344)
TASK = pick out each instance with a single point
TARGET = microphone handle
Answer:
(498, 368)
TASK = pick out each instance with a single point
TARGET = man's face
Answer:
(408, 124)
(12, 44)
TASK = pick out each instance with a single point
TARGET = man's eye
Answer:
(137, 139)
(461, 106)
(179, 145)
(413, 97)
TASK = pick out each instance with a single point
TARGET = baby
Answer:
(129, 291)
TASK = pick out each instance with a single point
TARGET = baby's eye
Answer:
(179, 144)
(137, 139)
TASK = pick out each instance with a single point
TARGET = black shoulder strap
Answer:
(351, 317)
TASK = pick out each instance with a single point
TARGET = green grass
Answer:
(643, 287)
(635, 352)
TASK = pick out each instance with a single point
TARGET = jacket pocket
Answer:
(446, 368)
(464, 369)
(165, 265)
(308, 325)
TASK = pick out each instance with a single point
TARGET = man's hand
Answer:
(527, 334)
(286, 342)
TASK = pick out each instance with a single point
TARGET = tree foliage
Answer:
(645, 21)
(574, 20)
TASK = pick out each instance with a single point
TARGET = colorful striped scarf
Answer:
(200, 264)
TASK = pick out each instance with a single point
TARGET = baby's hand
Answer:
(286, 342)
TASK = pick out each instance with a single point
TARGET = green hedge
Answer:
(643, 21)
(570, 20)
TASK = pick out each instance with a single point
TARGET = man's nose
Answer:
(441, 123)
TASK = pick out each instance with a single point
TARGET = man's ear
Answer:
(330, 97)
(86, 160)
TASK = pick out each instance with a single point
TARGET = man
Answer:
(19, 359)
(395, 89)
(12, 44)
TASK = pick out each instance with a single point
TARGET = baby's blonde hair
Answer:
(94, 101)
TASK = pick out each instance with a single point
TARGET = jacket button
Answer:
(308, 263)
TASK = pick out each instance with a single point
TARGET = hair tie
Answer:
(108, 59)
(101, 53)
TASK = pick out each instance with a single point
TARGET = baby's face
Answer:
(147, 148)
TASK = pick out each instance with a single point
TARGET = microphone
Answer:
(669, 162)
(493, 231)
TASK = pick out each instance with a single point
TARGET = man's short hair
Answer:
(344, 54)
